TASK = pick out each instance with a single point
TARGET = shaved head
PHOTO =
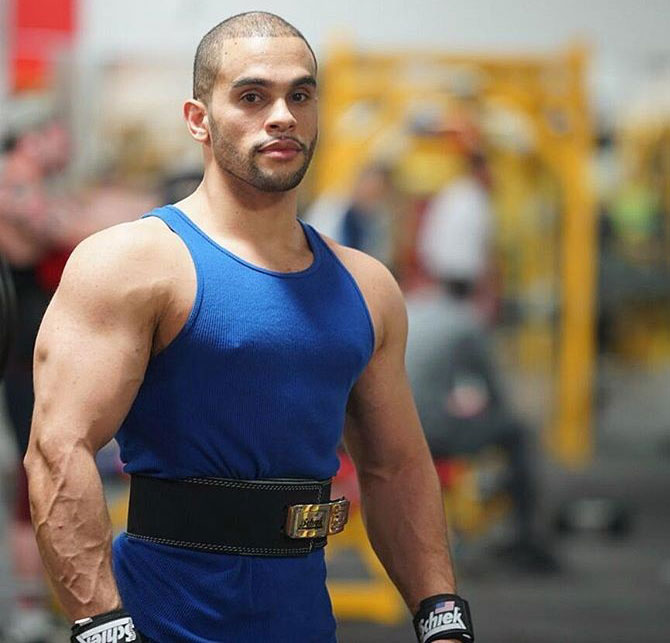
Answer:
(253, 24)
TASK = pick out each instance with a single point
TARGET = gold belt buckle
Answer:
(317, 521)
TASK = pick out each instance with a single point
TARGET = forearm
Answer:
(405, 521)
(72, 527)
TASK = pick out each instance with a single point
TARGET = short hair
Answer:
(250, 24)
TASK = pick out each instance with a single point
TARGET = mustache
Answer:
(277, 139)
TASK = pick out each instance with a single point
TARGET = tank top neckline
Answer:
(307, 230)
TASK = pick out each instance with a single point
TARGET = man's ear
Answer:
(195, 115)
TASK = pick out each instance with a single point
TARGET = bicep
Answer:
(90, 357)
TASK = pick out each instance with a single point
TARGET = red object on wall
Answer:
(38, 30)
(50, 269)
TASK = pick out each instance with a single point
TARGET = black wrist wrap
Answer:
(111, 627)
(442, 617)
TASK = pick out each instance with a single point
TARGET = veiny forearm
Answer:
(405, 521)
(72, 526)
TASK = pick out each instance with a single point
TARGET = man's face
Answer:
(263, 112)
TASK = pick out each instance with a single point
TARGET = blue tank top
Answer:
(254, 386)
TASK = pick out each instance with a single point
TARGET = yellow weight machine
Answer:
(539, 104)
(534, 112)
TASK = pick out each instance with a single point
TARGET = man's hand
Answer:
(441, 617)
(116, 625)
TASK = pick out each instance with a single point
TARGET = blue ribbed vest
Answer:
(254, 386)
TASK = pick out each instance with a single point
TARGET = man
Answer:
(364, 219)
(463, 409)
(456, 235)
(230, 343)
(367, 220)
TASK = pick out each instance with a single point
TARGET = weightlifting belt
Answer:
(250, 517)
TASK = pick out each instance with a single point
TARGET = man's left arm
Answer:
(400, 493)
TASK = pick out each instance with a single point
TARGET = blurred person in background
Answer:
(367, 222)
(457, 231)
(364, 221)
(636, 218)
(463, 408)
(41, 221)
(30, 241)
(450, 362)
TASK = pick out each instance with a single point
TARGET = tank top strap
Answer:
(314, 238)
(316, 241)
(194, 238)
(176, 221)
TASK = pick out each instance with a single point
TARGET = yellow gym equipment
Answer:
(533, 111)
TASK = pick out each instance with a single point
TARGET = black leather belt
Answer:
(252, 517)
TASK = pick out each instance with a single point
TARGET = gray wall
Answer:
(629, 38)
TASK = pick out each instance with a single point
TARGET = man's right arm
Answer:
(90, 358)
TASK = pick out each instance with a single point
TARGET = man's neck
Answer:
(229, 207)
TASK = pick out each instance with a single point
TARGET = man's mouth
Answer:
(284, 149)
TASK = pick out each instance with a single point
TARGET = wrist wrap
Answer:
(111, 627)
(442, 617)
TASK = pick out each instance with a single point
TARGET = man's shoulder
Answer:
(366, 270)
(378, 286)
(142, 240)
(126, 257)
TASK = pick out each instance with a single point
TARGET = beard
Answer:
(244, 167)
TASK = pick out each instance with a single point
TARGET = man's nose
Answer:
(281, 118)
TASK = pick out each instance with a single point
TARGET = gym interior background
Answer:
(568, 103)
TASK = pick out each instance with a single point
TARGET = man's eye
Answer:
(299, 97)
(251, 98)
